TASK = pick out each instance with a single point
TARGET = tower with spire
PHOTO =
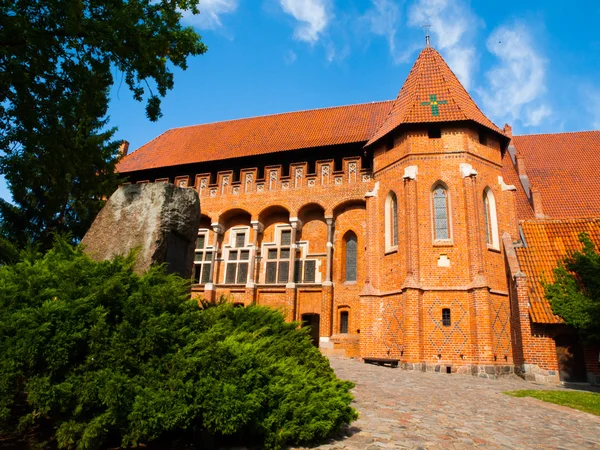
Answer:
(436, 296)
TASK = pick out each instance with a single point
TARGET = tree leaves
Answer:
(575, 294)
(111, 358)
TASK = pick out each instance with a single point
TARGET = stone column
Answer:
(290, 287)
(209, 288)
(254, 252)
(326, 326)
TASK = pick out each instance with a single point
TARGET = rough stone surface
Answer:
(159, 219)
(412, 409)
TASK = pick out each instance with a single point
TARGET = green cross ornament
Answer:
(434, 103)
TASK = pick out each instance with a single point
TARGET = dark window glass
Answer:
(198, 257)
(200, 242)
(233, 255)
(344, 322)
(208, 256)
(446, 317)
(242, 274)
(285, 253)
(197, 271)
(284, 267)
(245, 255)
(486, 216)
(351, 258)
(309, 271)
(298, 271)
(240, 240)
(271, 272)
(286, 237)
(205, 273)
(272, 254)
(230, 273)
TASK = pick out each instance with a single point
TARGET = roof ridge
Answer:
(554, 134)
(558, 220)
(280, 114)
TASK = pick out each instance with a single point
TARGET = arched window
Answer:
(491, 221)
(391, 221)
(351, 255)
(440, 213)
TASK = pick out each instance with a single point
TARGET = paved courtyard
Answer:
(400, 409)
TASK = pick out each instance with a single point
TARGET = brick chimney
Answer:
(124, 148)
(507, 130)
(536, 199)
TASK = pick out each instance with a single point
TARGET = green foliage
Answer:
(57, 60)
(106, 357)
(583, 401)
(575, 294)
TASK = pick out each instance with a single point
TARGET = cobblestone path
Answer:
(400, 409)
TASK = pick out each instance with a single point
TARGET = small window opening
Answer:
(344, 322)
(434, 132)
(446, 317)
(448, 369)
(482, 138)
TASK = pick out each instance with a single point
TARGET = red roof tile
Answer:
(432, 93)
(258, 136)
(565, 167)
(547, 244)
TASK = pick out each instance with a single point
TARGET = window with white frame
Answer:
(440, 212)
(237, 256)
(305, 268)
(391, 221)
(277, 257)
(202, 258)
(491, 221)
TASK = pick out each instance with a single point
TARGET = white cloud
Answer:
(312, 15)
(452, 25)
(534, 115)
(210, 13)
(290, 57)
(516, 85)
(383, 20)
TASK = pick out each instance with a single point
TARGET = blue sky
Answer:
(534, 64)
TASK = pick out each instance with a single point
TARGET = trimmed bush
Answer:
(104, 357)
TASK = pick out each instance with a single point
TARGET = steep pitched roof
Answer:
(432, 93)
(547, 244)
(565, 168)
(258, 136)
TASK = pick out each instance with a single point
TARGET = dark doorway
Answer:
(312, 321)
(571, 365)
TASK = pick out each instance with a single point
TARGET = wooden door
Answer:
(313, 321)
(571, 365)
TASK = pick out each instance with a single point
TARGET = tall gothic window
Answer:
(491, 221)
(238, 257)
(202, 258)
(351, 255)
(391, 221)
(440, 212)
(278, 257)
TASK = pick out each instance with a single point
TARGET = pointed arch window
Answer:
(351, 256)
(440, 213)
(491, 221)
(391, 221)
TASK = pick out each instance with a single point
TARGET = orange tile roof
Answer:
(565, 167)
(510, 176)
(432, 93)
(258, 136)
(548, 242)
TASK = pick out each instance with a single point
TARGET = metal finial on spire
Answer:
(426, 27)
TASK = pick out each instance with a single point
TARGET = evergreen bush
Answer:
(104, 357)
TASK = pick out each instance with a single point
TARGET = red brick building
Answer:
(407, 230)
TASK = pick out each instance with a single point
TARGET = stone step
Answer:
(340, 352)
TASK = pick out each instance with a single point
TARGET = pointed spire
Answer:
(430, 94)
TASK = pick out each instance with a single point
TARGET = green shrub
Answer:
(106, 357)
